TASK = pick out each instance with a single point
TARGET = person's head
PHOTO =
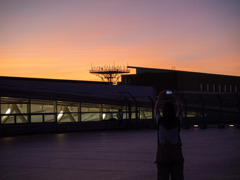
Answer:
(169, 110)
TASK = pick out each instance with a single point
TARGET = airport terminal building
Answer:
(29, 105)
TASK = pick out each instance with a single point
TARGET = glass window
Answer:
(133, 115)
(16, 106)
(6, 119)
(192, 114)
(67, 117)
(87, 107)
(36, 118)
(49, 118)
(69, 106)
(91, 116)
(22, 119)
(109, 116)
(42, 106)
(67, 111)
(145, 113)
(110, 108)
(13, 105)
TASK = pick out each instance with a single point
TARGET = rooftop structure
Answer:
(42, 105)
(109, 74)
(178, 80)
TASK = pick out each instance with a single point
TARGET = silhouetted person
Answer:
(169, 157)
(120, 114)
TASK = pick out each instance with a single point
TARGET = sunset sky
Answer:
(60, 39)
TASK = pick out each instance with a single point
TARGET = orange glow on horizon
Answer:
(45, 39)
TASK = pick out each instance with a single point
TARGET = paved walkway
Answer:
(210, 154)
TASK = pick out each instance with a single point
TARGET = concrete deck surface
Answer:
(210, 154)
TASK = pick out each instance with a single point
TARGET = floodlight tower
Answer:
(109, 74)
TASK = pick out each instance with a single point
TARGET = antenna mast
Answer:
(109, 74)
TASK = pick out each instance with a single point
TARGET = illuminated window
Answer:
(145, 113)
(14, 110)
(43, 110)
(87, 107)
(68, 111)
(42, 106)
(91, 112)
(21, 119)
(88, 116)
(36, 118)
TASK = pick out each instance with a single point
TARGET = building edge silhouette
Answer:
(34, 105)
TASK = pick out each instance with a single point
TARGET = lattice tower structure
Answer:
(109, 74)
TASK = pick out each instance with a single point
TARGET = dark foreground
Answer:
(210, 154)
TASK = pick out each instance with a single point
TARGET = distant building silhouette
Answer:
(30, 105)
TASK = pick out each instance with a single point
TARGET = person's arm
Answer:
(157, 106)
(180, 110)
(157, 110)
(179, 104)
(158, 102)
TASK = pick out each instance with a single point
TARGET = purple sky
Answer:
(61, 38)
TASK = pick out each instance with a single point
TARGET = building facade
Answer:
(205, 97)
(44, 105)
(33, 102)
